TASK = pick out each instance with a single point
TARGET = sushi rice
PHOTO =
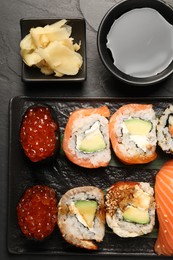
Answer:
(88, 124)
(114, 214)
(133, 148)
(165, 139)
(70, 223)
(82, 125)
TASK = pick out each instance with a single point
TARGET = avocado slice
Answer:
(92, 140)
(92, 143)
(87, 209)
(137, 126)
(132, 214)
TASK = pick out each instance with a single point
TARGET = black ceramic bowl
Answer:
(164, 9)
(33, 74)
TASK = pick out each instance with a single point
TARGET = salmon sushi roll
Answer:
(165, 130)
(164, 209)
(81, 216)
(130, 208)
(86, 137)
(132, 130)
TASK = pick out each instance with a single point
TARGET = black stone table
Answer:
(99, 82)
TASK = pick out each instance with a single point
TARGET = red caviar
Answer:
(38, 133)
(37, 212)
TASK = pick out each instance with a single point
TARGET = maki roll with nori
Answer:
(165, 130)
(132, 131)
(130, 208)
(86, 137)
(39, 133)
(81, 216)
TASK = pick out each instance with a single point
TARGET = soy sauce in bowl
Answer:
(141, 42)
(135, 41)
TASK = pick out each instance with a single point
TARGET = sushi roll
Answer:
(81, 216)
(132, 130)
(165, 130)
(130, 208)
(86, 137)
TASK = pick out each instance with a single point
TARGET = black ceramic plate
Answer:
(31, 74)
(62, 175)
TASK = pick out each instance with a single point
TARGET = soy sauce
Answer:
(141, 42)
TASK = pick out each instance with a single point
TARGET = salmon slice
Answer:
(164, 208)
(115, 138)
(68, 133)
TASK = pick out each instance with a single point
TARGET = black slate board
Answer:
(63, 175)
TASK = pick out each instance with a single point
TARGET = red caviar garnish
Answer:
(37, 212)
(38, 133)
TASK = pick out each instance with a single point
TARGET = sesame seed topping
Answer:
(118, 196)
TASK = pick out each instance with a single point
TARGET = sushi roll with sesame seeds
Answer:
(165, 130)
(130, 208)
(81, 216)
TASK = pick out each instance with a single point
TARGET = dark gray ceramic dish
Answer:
(114, 13)
(63, 175)
(32, 74)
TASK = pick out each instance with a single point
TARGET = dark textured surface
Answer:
(99, 82)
